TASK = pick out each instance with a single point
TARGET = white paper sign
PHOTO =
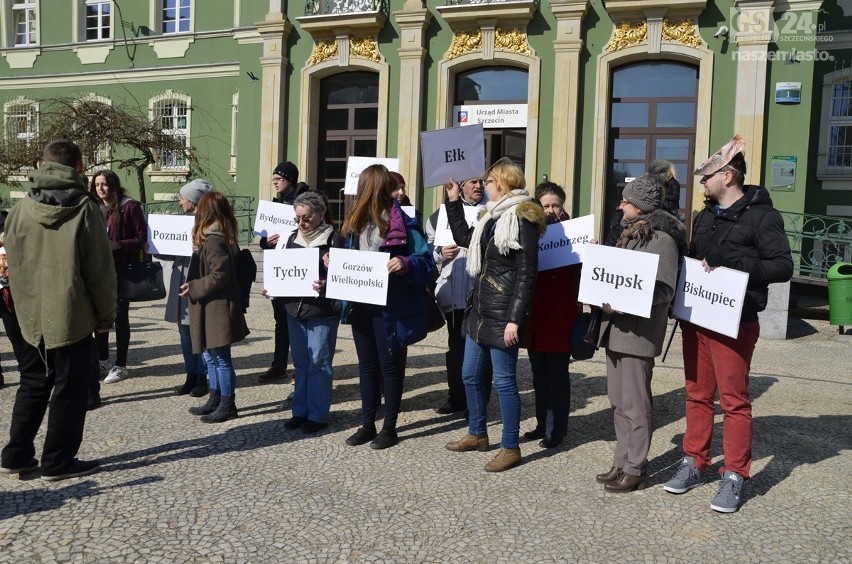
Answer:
(290, 272)
(358, 276)
(409, 211)
(443, 233)
(170, 234)
(621, 278)
(356, 165)
(274, 217)
(457, 152)
(713, 300)
(563, 243)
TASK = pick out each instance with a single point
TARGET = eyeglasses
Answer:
(622, 202)
(489, 181)
(304, 218)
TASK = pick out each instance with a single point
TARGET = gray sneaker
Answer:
(728, 498)
(686, 478)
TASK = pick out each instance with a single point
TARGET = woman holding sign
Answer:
(312, 322)
(216, 317)
(632, 342)
(503, 258)
(382, 333)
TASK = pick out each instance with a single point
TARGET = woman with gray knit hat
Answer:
(175, 270)
(632, 342)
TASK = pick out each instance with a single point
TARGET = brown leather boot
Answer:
(469, 442)
(505, 459)
(609, 476)
(627, 483)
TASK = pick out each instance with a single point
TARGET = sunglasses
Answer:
(304, 218)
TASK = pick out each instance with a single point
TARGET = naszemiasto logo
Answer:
(789, 27)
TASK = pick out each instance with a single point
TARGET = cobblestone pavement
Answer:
(173, 489)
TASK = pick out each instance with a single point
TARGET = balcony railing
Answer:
(817, 242)
(243, 211)
(462, 2)
(331, 7)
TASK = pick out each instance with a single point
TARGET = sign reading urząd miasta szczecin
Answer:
(713, 300)
(358, 276)
(170, 234)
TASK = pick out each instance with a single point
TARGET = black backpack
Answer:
(246, 275)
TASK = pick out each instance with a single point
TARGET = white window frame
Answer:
(157, 10)
(160, 172)
(84, 21)
(32, 117)
(104, 150)
(832, 177)
(10, 12)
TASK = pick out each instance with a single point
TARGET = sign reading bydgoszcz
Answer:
(491, 116)
(358, 276)
(563, 243)
(457, 152)
(170, 234)
(356, 165)
(621, 278)
(290, 272)
(443, 234)
(713, 300)
(274, 217)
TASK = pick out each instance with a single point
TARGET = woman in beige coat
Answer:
(216, 317)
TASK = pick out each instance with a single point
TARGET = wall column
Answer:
(274, 30)
(412, 20)
(569, 18)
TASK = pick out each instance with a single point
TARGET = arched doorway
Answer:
(652, 115)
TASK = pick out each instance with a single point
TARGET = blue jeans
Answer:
(192, 363)
(220, 370)
(312, 349)
(504, 362)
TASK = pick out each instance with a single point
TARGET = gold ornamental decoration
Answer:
(628, 34)
(365, 47)
(465, 42)
(323, 51)
(513, 40)
(685, 32)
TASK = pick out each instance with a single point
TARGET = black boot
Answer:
(212, 403)
(226, 410)
(200, 386)
(187, 387)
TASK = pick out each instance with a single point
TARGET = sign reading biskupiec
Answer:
(713, 300)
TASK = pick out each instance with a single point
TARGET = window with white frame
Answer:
(840, 127)
(98, 19)
(177, 15)
(25, 22)
(171, 112)
(20, 121)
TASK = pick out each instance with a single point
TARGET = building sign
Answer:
(783, 173)
(788, 92)
(491, 116)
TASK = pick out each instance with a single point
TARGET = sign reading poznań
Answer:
(713, 300)
(358, 276)
(563, 243)
(443, 233)
(274, 217)
(170, 234)
(621, 278)
(290, 272)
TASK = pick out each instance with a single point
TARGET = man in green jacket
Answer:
(62, 276)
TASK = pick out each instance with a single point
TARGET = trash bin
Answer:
(840, 294)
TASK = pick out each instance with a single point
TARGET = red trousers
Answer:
(713, 361)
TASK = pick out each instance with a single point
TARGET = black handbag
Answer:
(434, 314)
(581, 349)
(140, 281)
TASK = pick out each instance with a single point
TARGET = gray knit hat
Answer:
(645, 192)
(195, 189)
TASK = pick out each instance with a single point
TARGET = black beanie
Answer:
(287, 171)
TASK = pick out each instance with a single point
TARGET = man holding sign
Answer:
(738, 229)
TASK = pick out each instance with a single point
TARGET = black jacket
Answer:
(309, 307)
(748, 236)
(503, 290)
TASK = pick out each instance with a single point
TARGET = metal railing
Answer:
(243, 210)
(817, 242)
(328, 7)
(460, 2)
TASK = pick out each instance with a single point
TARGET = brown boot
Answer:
(469, 442)
(505, 459)
(274, 373)
(610, 476)
(626, 483)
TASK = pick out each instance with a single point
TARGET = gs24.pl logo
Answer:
(790, 26)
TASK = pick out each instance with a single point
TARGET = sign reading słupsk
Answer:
(563, 243)
(170, 234)
(491, 116)
(290, 272)
(621, 278)
(358, 276)
(713, 300)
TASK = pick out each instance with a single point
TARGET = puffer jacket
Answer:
(309, 307)
(503, 290)
(748, 236)
(63, 277)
